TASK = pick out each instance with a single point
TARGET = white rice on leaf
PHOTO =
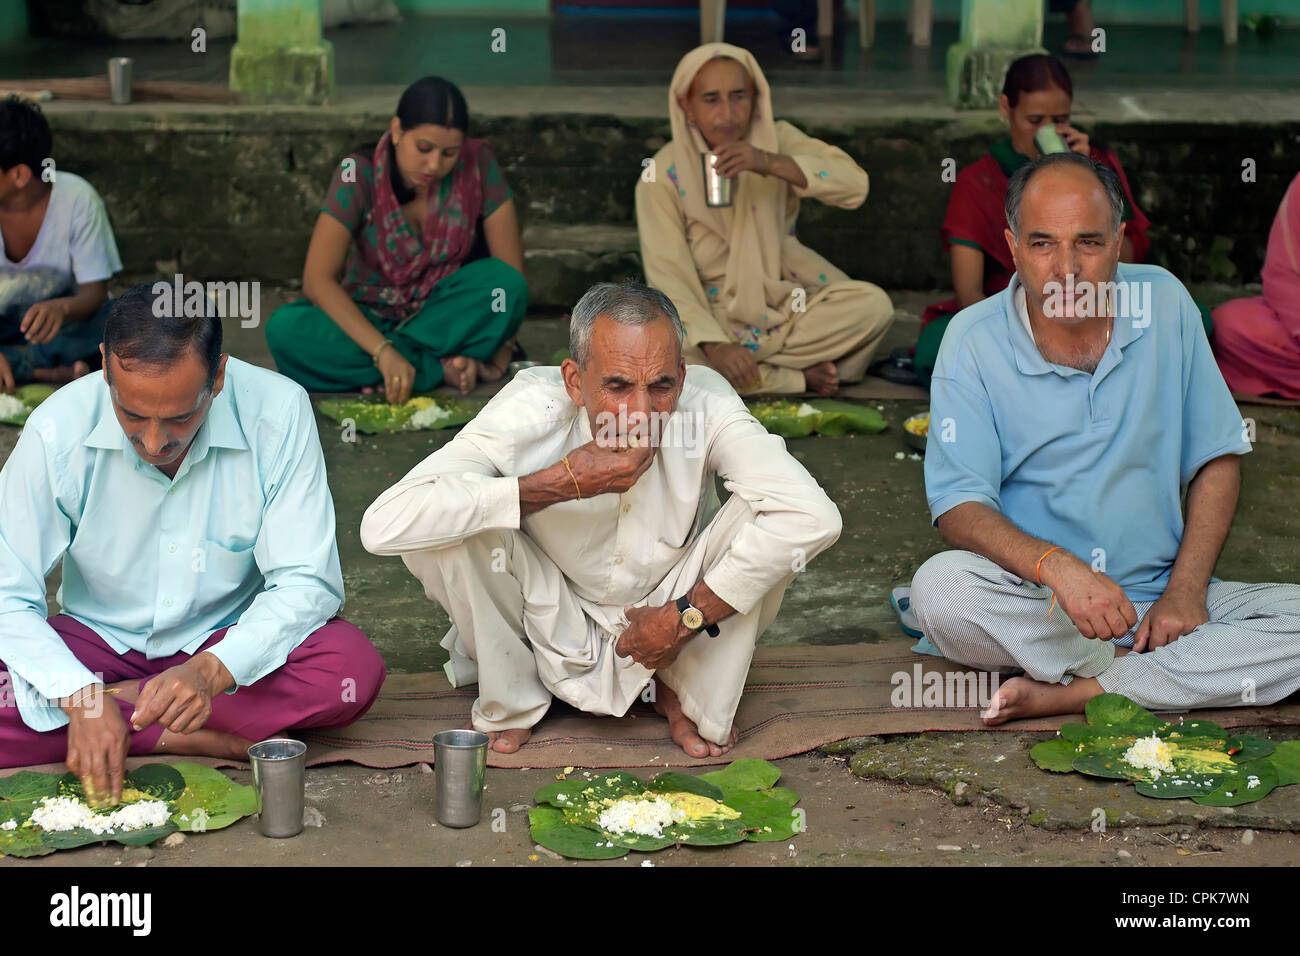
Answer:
(1150, 753)
(69, 813)
(429, 416)
(640, 815)
(11, 407)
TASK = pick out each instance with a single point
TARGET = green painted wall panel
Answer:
(13, 22)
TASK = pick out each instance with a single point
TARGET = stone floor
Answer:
(913, 795)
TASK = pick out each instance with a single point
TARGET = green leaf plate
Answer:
(374, 416)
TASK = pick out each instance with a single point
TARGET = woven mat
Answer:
(797, 699)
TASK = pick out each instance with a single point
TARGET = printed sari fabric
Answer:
(1257, 340)
(389, 269)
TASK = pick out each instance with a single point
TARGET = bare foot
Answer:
(1025, 697)
(493, 371)
(505, 741)
(204, 743)
(460, 373)
(127, 690)
(369, 390)
(822, 379)
(61, 374)
(683, 730)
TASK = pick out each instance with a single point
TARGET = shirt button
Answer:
(618, 560)
(171, 548)
(168, 602)
(626, 509)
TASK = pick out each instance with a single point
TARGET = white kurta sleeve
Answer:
(668, 263)
(795, 520)
(456, 492)
(833, 177)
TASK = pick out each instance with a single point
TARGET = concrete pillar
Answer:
(993, 33)
(280, 56)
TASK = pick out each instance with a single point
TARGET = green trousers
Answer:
(471, 312)
(927, 344)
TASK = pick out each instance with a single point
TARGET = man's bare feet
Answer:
(683, 730)
(1022, 697)
(460, 373)
(204, 743)
(505, 741)
(822, 379)
(493, 371)
(61, 374)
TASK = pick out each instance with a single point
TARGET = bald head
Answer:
(1068, 177)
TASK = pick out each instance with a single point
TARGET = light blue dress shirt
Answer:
(243, 536)
(1095, 463)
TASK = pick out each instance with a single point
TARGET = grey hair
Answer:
(627, 303)
(1020, 182)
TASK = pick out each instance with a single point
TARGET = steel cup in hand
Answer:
(717, 188)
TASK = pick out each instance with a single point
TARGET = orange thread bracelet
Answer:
(1039, 565)
(1038, 568)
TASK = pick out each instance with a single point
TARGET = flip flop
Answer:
(901, 601)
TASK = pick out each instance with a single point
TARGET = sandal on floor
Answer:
(901, 601)
(898, 368)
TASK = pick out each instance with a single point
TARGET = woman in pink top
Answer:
(1257, 341)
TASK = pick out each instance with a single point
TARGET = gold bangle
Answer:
(577, 487)
(89, 692)
(374, 356)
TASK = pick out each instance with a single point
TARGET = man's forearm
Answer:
(544, 488)
(972, 526)
(216, 674)
(1211, 503)
(709, 604)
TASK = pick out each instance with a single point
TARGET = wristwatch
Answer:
(693, 618)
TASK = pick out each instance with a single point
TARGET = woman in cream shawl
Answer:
(768, 313)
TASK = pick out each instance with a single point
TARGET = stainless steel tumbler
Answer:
(119, 80)
(717, 189)
(278, 768)
(460, 765)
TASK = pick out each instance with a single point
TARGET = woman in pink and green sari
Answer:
(1257, 341)
(394, 298)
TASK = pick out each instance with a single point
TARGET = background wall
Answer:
(13, 22)
(229, 194)
(1112, 11)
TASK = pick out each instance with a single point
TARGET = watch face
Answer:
(692, 618)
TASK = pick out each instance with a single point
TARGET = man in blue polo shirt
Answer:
(1067, 416)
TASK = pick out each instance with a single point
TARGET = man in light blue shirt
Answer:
(185, 493)
(1068, 414)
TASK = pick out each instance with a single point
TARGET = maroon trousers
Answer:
(329, 680)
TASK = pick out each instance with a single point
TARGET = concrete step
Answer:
(563, 261)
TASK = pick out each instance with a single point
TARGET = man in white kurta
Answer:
(539, 600)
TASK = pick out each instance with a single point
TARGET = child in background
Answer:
(57, 253)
